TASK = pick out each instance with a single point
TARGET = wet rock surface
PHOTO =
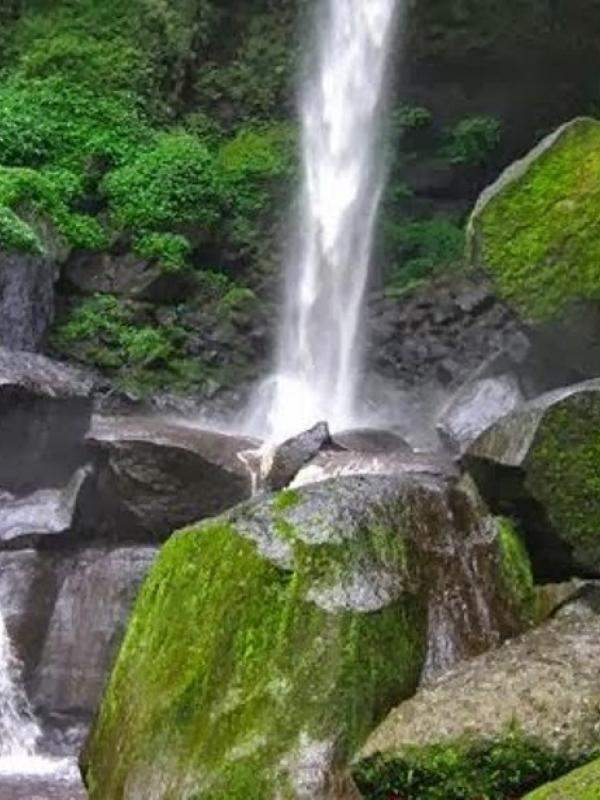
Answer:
(155, 475)
(45, 410)
(475, 407)
(26, 300)
(92, 606)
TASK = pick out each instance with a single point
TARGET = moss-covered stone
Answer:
(583, 784)
(536, 230)
(516, 570)
(243, 675)
(542, 464)
(267, 644)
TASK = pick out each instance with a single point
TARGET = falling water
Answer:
(19, 731)
(319, 355)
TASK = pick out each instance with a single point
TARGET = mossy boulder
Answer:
(536, 232)
(269, 642)
(582, 784)
(541, 464)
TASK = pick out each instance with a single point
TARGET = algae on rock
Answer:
(267, 644)
(583, 784)
(541, 465)
(536, 231)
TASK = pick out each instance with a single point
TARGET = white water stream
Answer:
(19, 731)
(319, 356)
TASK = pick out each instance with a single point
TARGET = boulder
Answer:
(45, 410)
(26, 300)
(534, 233)
(545, 685)
(296, 621)
(96, 589)
(278, 466)
(155, 474)
(582, 784)
(540, 465)
(476, 406)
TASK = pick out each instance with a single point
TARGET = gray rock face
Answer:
(26, 300)
(45, 409)
(539, 465)
(126, 275)
(476, 406)
(155, 475)
(97, 589)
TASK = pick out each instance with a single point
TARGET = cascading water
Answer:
(19, 731)
(319, 354)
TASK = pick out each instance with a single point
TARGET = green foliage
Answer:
(411, 118)
(171, 250)
(471, 770)
(103, 331)
(422, 248)
(16, 234)
(173, 183)
(472, 140)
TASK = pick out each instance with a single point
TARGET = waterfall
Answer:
(319, 354)
(19, 732)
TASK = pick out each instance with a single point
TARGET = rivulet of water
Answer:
(319, 354)
(19, 731)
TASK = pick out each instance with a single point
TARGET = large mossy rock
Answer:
(536, 230)
(541, 464)
(583, 784)
(269, 642)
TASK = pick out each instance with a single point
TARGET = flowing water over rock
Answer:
(24, 772)
(341, 103)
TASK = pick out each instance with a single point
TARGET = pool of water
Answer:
(40, 779)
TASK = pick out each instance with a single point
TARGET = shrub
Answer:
(472, 140)
(169, 249)
(489, 770)
(172, 183)
(422, 248)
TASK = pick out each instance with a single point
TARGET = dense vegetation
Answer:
(469, 770)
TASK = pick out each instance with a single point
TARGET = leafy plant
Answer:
(489, 770)
(170, 250)
(472, 140)
(422, 248)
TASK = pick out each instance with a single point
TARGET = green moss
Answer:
(583, 784)
(539, 236)
(500, 769)
(287, 498)
(563, 473)
(516, 569)
(227, 668)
